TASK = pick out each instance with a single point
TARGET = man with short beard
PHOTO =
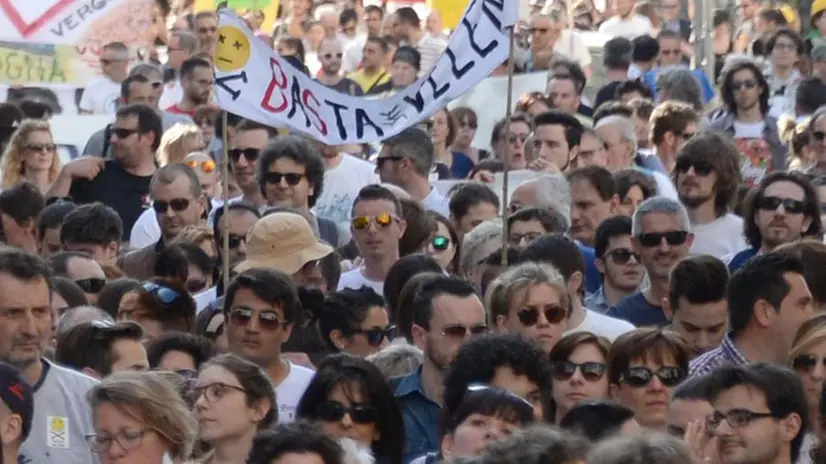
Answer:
(782, 209)
(707, 173)
(330, 55)
(626, 23)
(197, 82)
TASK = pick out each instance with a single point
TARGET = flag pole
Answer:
(225, 197)
(505, 155)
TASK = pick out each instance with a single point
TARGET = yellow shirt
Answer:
(368, 81)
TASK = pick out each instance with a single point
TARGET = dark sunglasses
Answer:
(383, 159)
(638, 377)
(554, 314)
(440, 242)
(267, 320)
(460, 331)
(250, 154)
(92, 285)
(564, 370)
(623, 255)
(672, 237)
(163, 294)
(331, 411)
(122, 133)
(746, 84)
(807, 363)
(236, 240)
(177, 205)
(376, 335)
(819, 135)
(275, 178)
(791, 205)
(47, 147)
(700, 168)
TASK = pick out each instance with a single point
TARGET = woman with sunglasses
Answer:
(808, 358)
(234, 399)
(159, 306)
(31, 155)
(355, 322)
(444, 245)
(349, 398)
(578, 366)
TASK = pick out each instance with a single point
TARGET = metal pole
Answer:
(505, 156)
(225, 196)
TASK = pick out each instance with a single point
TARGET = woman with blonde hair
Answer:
(141, 417)
(31, 155)
(807, 358)
(179, 141)
(796, 136)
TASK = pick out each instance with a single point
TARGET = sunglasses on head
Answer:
(377, 335)
(275, 178)
(440, 242)
(638, 377)
(461, 331)
(807, 363)
(163, 294)
(250, 154)
(267, 320)
(790, 205)
(207, 166)
(363, 222)
(41, 147)
(590, 371)
(623, 255)
(177, 205)
(92, 285)
(700, 168)
(554, 314)
(654, 239)
(333, 411)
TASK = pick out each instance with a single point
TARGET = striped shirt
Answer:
(431, 48)
(726, 353)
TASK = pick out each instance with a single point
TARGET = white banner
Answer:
(251, 80)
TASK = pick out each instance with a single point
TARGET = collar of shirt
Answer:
(596, 301)
(731, 352)
(412, 385)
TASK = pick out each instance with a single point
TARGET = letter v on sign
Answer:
(27, 28)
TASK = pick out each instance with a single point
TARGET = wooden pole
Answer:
(225, 196)
(505, 155)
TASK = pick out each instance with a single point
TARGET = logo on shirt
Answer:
(58, 433)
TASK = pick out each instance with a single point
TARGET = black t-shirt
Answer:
(606, 93)
(125, 193)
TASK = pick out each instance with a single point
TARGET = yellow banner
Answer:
(268, 7)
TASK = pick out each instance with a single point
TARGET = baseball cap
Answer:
(282, 241)
(17, 394)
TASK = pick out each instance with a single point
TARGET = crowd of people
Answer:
(654, 295)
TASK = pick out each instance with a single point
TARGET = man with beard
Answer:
(446, 311)
(661, 236)
(330, 54)
(783, 208)
(626, 23)
(197, 81)
(707, 174)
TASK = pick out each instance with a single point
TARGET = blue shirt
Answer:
(461, 166)
(650, 79)
(635, 309)
(740, 259)
(593, 279)
(420, 414)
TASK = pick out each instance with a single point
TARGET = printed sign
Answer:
(251, 80)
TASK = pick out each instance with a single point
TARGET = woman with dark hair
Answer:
(420, 226)
(234, 399)
(785, 51)
(348, 397)
(66, 294)
(467, 122)
(444, 245)
(578, 366)
(355, 322)
(111, 294)
(443, 132)
(159, 306)
(400, 274)
(633, 187)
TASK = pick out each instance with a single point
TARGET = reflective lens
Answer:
(440, 242)
(654, 239)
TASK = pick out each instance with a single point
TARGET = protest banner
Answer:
(251, 80)
(269, 8)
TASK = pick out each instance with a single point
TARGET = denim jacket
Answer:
(420, 414)
(725, 123)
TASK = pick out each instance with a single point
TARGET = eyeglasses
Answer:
(329, 56)
(165, 295)
(737, 418)
(332, 411)
(236, 240)
(363, 222)
(177, 205)
(92, 285)
(638, 377)
(513, 138)
(746, 84)
(564, 370)
(128, 439)
(267, 320)
(214, 391)
(700, 168)
(440, 242)
(654, 239)
(207, 166)
(554, 314)
(528, 237)
(623, 255)
(807, 363)
(461, 331)
(123, 133)
(41, 147)
(790, 205)
(275, 178)
(250, 154)
(377, 335)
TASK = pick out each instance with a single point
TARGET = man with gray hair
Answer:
(406, 160)
(100, 96)
(661, 236)
(481, 242)
(680, 84)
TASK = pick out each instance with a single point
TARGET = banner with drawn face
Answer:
(251, 80)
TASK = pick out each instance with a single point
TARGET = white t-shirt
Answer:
(354, 279)
(572, 45)
(602, 325)
(353, 53)
(100, 96)
(720, 237)
(749, 130)
(434, 201)
(172, 94)
(665, 188)
(290, 391)
(341, 186)
(146, 230)
(630, 28)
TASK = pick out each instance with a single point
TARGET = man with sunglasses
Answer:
(644, 366)
(245, 148)
(616, 260)
(782, 208)
(101, 94)
(661, 236)
(707, 176)
(330, 54)
(768, 301)
(81, 269)
(100, 348)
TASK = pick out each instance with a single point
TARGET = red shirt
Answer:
(175, 109)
